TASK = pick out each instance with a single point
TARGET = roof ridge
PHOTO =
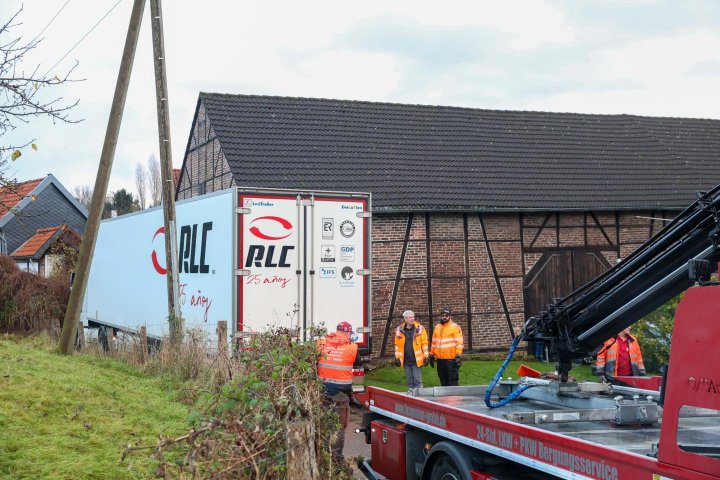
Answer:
(15, 185)
(50, 229)
(629, 116)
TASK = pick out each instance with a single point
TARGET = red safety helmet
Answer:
(344, 327)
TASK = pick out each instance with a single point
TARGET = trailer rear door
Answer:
(303, 260)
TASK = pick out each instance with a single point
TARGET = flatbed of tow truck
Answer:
(576, 431)
(592, 424)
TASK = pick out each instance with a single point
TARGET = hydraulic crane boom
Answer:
(577, 325)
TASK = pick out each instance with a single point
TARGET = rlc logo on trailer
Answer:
(270, 228)
(188, 252)
(303, 260)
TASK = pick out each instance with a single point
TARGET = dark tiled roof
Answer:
(415, 157)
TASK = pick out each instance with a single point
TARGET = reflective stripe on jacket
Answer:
(606, 362)
(447, 341)
(337, 354)
(420, 344)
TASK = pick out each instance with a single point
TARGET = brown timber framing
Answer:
(652, 223)
(396, 286)
(203, 145)
(557, 228)
(428, 271)
(522, 245)
(468, 299)
(539, 229)
(496, 275)
(602, 230)
(617, 233)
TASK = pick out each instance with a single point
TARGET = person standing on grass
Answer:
(447, 347)
(411, 349)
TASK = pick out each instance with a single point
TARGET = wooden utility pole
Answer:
(87, 248)
(168, 187)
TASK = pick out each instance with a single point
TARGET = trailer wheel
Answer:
(446, 469)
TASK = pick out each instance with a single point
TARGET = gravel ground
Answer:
(355, 445)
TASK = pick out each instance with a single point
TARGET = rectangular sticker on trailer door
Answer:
(270, 244)
(339, 253)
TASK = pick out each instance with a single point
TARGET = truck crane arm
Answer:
(577, 325)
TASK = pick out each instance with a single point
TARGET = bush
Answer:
(243, 431)
(29, 303)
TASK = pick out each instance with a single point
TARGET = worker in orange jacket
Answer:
(411, 349)
(620, 356)
(337, 355)
(447, 347)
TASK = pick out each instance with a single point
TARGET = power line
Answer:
(84, 36)
(50, 22)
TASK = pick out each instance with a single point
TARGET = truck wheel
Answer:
(445, 469)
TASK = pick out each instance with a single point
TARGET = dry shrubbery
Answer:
(251, 397)
(29, 303)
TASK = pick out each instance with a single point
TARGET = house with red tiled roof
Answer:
(26, 207)
(48, 250)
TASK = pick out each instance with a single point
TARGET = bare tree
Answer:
(141, 184)
(155, 181)
(83, 194)
(25, 94)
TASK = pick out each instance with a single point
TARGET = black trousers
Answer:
(341, 403)
(448, 372)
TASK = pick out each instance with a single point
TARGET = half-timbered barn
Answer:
(489, 213)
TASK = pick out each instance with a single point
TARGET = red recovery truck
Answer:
(639, 428)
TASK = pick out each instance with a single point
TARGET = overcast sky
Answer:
(659, 58)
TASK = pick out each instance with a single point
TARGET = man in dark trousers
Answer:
(337, 355)
(447, 347)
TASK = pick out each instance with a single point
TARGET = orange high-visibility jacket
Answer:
(335, 363)
(420, 344)
(606, 362)
(447, 341)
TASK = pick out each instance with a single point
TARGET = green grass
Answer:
(71, 417)
(472, 372)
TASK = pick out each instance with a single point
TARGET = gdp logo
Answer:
(270, 228)
(189, 251)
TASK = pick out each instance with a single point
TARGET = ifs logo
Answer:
(269, 228)
(189, 250)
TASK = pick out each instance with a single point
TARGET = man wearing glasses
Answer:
(447, 346)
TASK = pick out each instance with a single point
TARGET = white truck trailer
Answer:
(254, 258)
